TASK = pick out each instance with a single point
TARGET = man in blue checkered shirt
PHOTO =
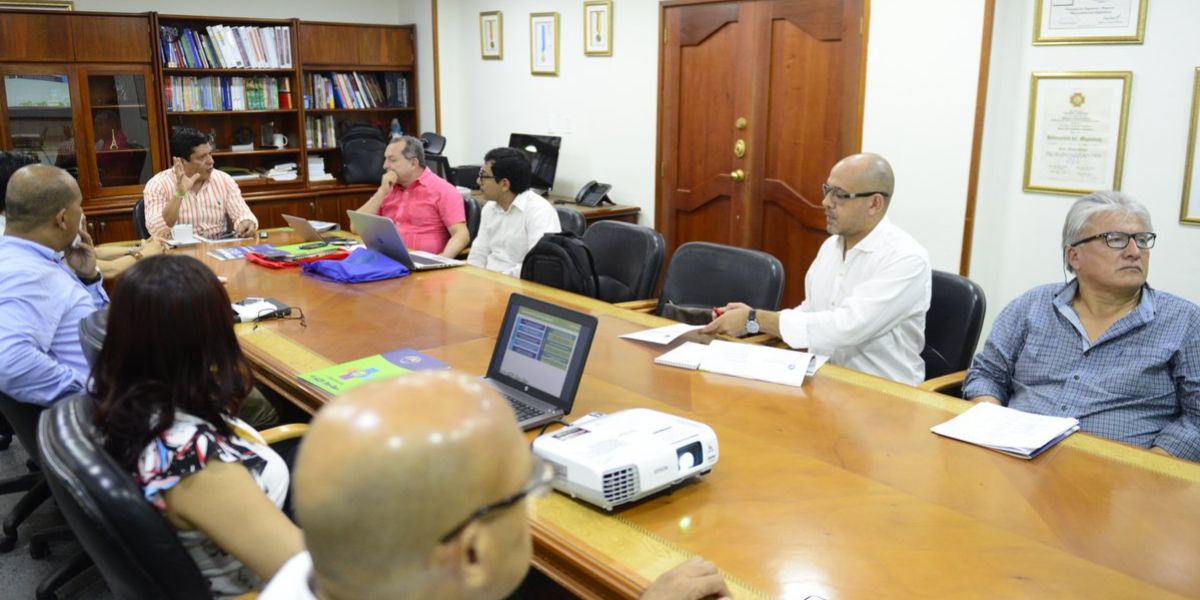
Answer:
(1105, 348)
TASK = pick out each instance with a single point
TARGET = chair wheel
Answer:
(8, 542)
(39, 550)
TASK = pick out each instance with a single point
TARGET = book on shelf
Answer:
(321, 132)
(356, 90)
(226, 47)
(210, 93)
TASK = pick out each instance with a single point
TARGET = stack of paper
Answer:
(747, 361)
(1010, 431)
(282, 172)
(316, 169)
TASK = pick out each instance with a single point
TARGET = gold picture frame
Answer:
(1075, 137)
(1089, 22)
(1189, 208)
(597, 28)
(543, 44)
(50, 5)
(491, 35)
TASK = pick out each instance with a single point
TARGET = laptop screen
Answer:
(541, 350)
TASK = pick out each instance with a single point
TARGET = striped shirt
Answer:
(219, 199)
(1139, 383)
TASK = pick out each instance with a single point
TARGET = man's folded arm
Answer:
(1182, 436)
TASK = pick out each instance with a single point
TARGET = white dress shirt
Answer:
(505, 236)
(866, 311)
(291, 581)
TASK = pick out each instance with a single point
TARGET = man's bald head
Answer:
(868, 172)
(390, 468)
(37, 193)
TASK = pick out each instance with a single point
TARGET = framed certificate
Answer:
(1089, 22)
(1075, 140)
(543, 43)
(1189, 211)
(491, 35)
(597, 27)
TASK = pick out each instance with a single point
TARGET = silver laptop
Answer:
(538, 360)
(310, 234)
(380, 235)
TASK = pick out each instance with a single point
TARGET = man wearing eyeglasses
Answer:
(868, 289)
(403, 497)
(514, 218)
(1105, 347)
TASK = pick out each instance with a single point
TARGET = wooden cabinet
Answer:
(35, 37)
(105, 229)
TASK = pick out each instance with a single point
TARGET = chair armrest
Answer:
(938, 384)
(642, 306)
(282, 433)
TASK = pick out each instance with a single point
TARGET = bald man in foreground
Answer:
(400, 497)
(866, 293)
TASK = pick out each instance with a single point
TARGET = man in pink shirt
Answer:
(428, 211)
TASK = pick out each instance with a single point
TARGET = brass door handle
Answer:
(738, 175)
(739, 148)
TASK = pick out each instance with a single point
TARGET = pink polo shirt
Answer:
(424, 211)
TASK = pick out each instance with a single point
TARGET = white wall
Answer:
(1017, 234)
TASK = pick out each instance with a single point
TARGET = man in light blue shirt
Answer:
(48, 282)
(1105, 348)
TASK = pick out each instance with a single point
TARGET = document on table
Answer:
(662, 335)
(687, 356)
(747, 361)
(1013, 432)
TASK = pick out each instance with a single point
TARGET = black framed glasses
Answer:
(269, 315)
(840, 194)
(484, 175)
(1118, 240)
(538, 485)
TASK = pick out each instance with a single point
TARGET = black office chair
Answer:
(473, 211)
(91, 334)
(628, 258)
(952, 326)
(571, 220)
(434, 143)
(139, 220)
(704, 275)
(465, 176)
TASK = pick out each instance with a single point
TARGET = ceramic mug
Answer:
(279, 140)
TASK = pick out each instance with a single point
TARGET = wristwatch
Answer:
(752, 322)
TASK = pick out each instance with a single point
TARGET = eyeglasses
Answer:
(483, 175)
(538, 485)
(843, 195)
(269, 314)
(1118, 240)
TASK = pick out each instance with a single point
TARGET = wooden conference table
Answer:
(836, 489)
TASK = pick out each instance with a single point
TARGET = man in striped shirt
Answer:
(192, 191)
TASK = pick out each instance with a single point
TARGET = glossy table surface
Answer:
(836, 489)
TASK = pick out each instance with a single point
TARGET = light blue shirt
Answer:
(1139, 383)
(41, 304)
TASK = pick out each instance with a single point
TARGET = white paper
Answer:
(1005, 429)
(662, 335)
(749, 361)
(687, 356)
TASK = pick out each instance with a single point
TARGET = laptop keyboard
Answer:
(419, 260)
(523, 410)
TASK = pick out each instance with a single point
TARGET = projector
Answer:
(614, 459)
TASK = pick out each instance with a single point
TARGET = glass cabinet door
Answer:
(38, 115)
(120, 130)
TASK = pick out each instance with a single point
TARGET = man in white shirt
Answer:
(405, 498)
(514, 219)
(867, 291)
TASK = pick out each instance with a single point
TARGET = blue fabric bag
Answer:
(361, 266)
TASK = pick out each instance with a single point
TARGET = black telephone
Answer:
(593, 193)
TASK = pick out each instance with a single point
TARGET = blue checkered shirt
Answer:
(1138, 384)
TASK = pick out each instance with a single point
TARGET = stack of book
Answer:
(316, 169)
(320, 132)
(281, 172)
(357, 90)
(188, 94)
(227, 47)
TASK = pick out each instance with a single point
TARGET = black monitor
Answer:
(542, 151)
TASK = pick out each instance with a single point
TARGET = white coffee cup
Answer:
(183, 233)
(279, 140)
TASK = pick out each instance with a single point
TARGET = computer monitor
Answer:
(542, 152)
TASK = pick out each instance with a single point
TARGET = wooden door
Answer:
(792, 69)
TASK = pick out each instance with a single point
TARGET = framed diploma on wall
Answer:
(1075, 140)
(1089, 22)
(1189, 211)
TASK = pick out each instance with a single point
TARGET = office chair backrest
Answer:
(704, 275)
(571, 220)
(139, 220)
(465, 176)
(953, 324)
(135, 548)
(473, 211)
(92, 329)
(434, 143)
(628, 259)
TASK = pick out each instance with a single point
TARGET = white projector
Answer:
(614, 459)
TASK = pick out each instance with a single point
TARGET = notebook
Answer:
(538, 360)
(380, 235)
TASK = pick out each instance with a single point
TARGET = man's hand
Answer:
(389, 179)
(730, 320)
(245, 227)
(152, 246)
(691, 580)
(82, 258)
(183, 183)
(988, 399)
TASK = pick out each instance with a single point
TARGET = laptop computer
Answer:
(538, 360)
(380, 235)
(310, 234)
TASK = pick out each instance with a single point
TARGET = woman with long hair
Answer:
(167, 383)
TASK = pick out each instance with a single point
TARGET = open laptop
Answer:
(380, 235)
(310, 234)
(539, 358)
